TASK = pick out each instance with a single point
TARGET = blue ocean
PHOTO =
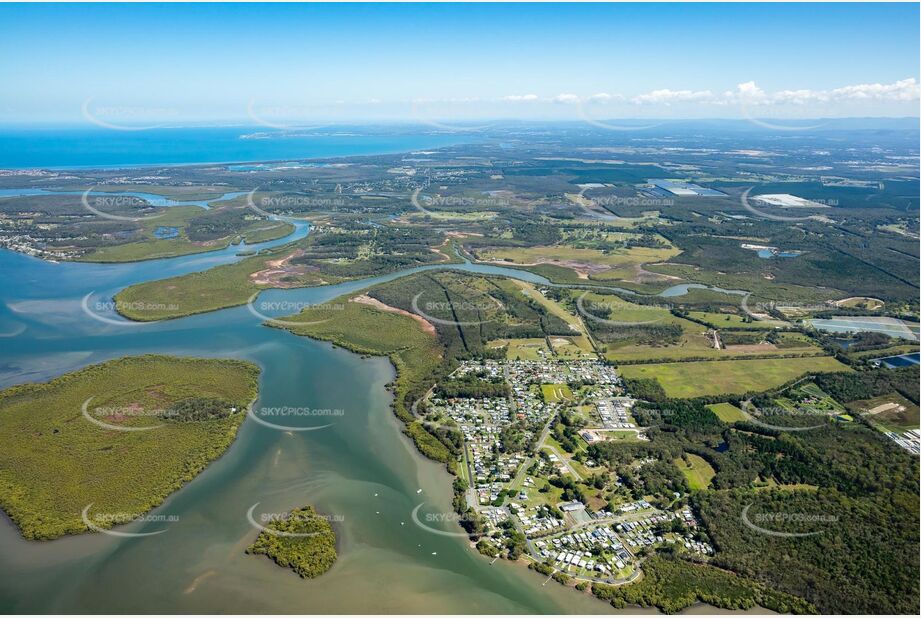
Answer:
(98, 147)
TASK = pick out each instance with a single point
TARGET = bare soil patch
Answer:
(364, 299)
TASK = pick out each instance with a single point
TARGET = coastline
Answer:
(427, 137)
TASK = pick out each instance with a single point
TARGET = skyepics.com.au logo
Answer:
(769, 522)
(288, 308)
(263, 522)
(767, 205)
(755, 416)
(767, 110)
(100, 204)
(808, 110)
(99, 310)
(638, 201)
(102, 522)
(435, 523)
(127, 117)
(779, 310)
(107, 416)
(420, 409)
(434, 112)
(289, 203)
(285, 117)
(597, 210)
(457, 310)
(424, 203)
(284, 418)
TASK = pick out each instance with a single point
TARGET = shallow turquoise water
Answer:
(97, 147)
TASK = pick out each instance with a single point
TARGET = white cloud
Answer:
(666, 96)
(453, 100)
(902, 90)
(566, 98)
(749, 91)
(798, 97)
(520, 97)
(747, 95)
(604, 97)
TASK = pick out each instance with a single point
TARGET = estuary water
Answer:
(360, 470)
(357, 468)
(151, 198)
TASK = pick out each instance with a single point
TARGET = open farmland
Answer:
(696, 470)
(731, 377)
(734, 320)
(727, 412)
(586, 263)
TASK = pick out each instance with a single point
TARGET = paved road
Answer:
(518, 480)
(606, 520)
(572, 470)
(473, 500)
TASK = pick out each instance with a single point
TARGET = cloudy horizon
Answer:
(131, 65)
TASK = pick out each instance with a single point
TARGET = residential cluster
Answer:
(510, 458)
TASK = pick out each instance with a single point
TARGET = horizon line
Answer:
(249, 123)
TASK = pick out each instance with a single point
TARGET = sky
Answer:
(285, 64)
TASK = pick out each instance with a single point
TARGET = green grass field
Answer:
(154, 248)
(732, 320)
(895, 350)
(568, 348)
(555, 392)
(450, 215)
(54, 460)
(621, 436)
(621, 310)
(762, 289)
(692, 344)
(727, 412)
(579, 338)
(702, 378)
(563, 253)
(696, 470)
(527, 349)
(580, 263)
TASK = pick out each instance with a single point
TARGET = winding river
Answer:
(360, 469)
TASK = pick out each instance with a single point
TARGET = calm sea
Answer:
(97, 147)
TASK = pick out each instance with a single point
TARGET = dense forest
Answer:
(872, 383)
(301, 540)
(842, 481)
(672, 584)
